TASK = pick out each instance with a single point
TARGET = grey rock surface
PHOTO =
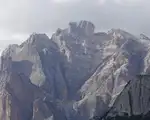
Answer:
(134, 99)
(75, 74)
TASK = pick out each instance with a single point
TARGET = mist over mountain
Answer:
(74, 75)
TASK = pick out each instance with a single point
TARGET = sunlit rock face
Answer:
(76, 74)
(133, 101)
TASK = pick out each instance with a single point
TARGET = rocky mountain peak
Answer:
(143, 36)
(84, 28)
(86, 25)
(121, 34)
(77, 72)
(36, 38)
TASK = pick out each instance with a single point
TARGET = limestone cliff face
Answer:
(20, 99)
(101, 90)
(75, 74)
(133, 100)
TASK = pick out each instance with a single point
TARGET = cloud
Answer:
(65, 1)
(102, 2)
(61, 1)
(129, 2)
(22, 17)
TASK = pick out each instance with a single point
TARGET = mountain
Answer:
(132, 103)
(76, 74)
(134, 99)
(142, 36)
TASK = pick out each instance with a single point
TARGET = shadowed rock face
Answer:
(21, 100)
(76, 74)
(133, 103)
(134, 99)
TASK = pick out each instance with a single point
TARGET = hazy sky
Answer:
(19, 18)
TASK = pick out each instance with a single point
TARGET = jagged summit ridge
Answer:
(79, 73)
(82, 28)
(142, 36)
